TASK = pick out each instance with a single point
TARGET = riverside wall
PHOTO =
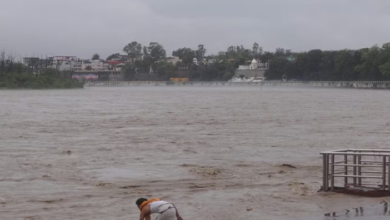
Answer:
(273, 83)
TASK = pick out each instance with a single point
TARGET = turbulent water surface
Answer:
(216, 152)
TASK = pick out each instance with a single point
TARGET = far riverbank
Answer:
(325, 84)
(23, 81)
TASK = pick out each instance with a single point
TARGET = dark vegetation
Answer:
(363, 64)
(15, 75)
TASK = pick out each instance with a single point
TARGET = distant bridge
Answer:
(275, 83)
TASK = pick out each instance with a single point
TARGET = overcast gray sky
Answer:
(84, 27)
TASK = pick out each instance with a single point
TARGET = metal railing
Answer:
(356, 168)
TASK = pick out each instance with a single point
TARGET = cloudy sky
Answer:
(84, 27)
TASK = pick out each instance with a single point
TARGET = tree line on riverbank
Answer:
(362, 64)
(152, 59)
(48, 80)
(369, 64)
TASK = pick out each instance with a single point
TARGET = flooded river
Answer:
(216, 152)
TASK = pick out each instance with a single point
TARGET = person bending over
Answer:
(163, 209)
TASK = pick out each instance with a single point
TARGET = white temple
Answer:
(254, 64)
(254, 72)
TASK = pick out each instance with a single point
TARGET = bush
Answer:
(44, 81)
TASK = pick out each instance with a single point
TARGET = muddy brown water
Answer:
(216, 152)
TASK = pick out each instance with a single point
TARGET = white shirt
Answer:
(155, 205)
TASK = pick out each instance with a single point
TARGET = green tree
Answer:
(96, 57)
(385, 60)
(146, 51)
(313, 68)
(344, 65)
(239, 54)
(129, 71)
(185, 54)
(156, 52)
(279, 52)
(255, 49)
(19, 68)
(114, 56)
(201, 52)
(267, 56)
(385, 69)
(134, 50)
(143, 66)
(277, 68)
(164, 70)
(369, 66)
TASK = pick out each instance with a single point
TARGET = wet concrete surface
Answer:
(375, 212)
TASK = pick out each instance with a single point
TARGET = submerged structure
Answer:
(364, 172)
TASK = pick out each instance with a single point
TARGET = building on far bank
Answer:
(36, 64)
(102, 75)
(95, 65)
(173, 60)
(29, 61)
(120, 57)
(115, 65)
(66, 63)
(183, 72)
(73, 64)
(93, 70)
(254, 72)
